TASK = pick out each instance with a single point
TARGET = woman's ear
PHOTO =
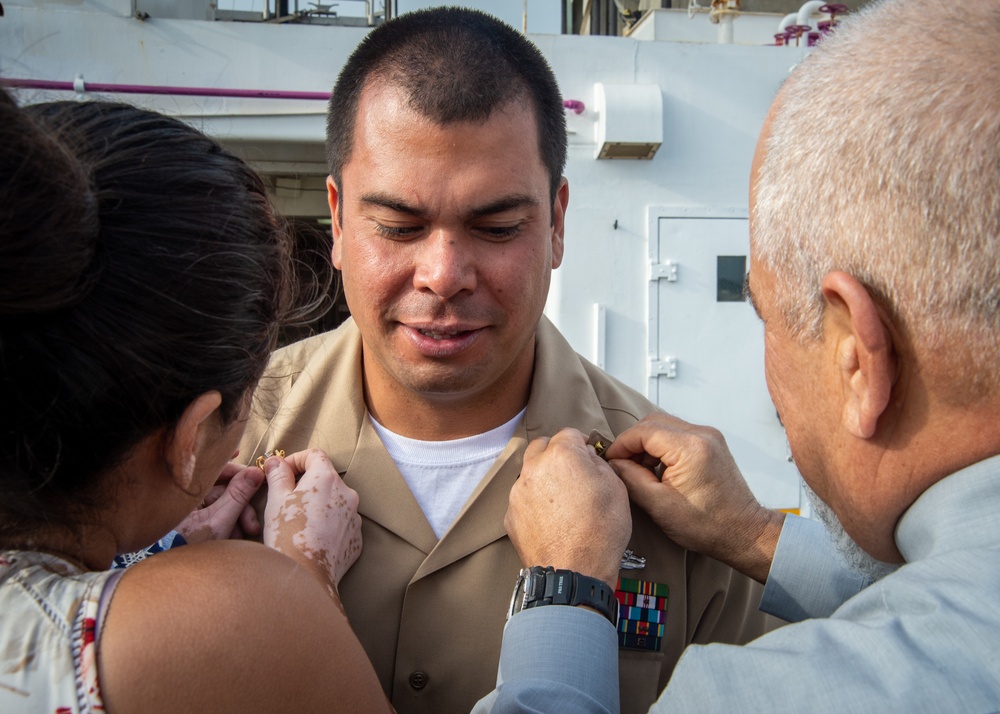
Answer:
(194, 429)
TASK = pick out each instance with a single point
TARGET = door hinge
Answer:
(663, 368)
(663, 271)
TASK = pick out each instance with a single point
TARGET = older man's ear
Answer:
(866, 356)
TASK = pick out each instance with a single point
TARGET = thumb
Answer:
(642, 484)
(280, 479)
(237, 495)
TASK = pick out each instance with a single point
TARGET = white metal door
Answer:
(706, 344)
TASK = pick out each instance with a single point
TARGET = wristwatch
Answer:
(539, 586)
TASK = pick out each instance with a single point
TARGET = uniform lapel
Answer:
(384, 496)
(561, 395)
(325, 408)
(481, 520)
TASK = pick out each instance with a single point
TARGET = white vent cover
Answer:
(629, 120)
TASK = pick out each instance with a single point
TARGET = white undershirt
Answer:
(443, 474)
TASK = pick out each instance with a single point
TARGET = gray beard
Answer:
(854, 556)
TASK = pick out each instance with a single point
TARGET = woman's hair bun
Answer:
(48, 218)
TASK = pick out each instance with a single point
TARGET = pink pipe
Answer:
(80, 86)
(150, 89)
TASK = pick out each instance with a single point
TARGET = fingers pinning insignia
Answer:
(268, 454)
(599, 442)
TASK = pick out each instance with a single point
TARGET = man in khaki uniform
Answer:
(446, 141)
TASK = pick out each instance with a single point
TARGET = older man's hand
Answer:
(685, 478)
(568, 509)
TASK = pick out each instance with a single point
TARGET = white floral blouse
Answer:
(51, 612)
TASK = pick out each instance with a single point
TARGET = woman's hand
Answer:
(226, 511)
(315, 521)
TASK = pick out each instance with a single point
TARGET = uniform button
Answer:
(418, 680)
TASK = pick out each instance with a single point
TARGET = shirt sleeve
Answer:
(808, 578)
(556, 659)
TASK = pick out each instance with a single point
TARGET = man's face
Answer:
(447, 242)
(828, 389)
(799, 380)
(796, 371)
(795, 380)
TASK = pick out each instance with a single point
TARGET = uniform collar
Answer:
(562, 393)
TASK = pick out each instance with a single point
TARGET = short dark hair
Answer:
(144, 267)
(457, 65)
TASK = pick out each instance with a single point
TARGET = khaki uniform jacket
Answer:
(430, 613)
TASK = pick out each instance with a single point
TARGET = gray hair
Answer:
(884, 162)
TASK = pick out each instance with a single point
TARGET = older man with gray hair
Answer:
(875, 267)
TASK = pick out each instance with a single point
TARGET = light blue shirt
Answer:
(808, 577)
(924, 639)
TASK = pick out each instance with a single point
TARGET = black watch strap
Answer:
(546, 586)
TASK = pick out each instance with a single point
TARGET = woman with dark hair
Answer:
(145, 278)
